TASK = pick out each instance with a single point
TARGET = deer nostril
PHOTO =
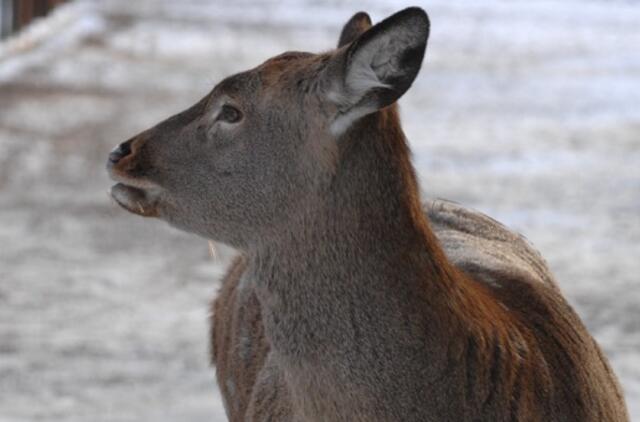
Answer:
(120, 152)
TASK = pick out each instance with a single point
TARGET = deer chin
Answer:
(136, 200)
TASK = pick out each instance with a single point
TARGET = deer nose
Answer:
(120, 152)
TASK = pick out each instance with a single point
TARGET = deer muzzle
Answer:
(132, 192)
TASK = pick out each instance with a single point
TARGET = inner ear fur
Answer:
(378, 67)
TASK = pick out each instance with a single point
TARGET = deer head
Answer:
(239, 163)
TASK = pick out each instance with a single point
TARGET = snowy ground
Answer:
(528, 111)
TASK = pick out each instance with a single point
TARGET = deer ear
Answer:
(378, 67)
(358, 24)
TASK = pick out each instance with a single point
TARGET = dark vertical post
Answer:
(6, 17)
(24, 11)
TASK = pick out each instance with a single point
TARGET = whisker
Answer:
(212, 251)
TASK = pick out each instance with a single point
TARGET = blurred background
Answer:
(527, 111)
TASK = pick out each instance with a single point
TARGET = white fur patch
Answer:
(344, 121)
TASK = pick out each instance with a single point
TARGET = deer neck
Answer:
(357, 261)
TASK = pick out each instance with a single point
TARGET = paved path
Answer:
(527, 111)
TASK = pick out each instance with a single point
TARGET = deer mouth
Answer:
(133, 193)
(136, 200)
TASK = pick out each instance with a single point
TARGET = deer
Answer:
(350, 298)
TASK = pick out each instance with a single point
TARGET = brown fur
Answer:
(522, 344)
(351, 301)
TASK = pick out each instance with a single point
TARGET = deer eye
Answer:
(229, 114)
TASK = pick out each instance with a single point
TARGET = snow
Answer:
(524, 110)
